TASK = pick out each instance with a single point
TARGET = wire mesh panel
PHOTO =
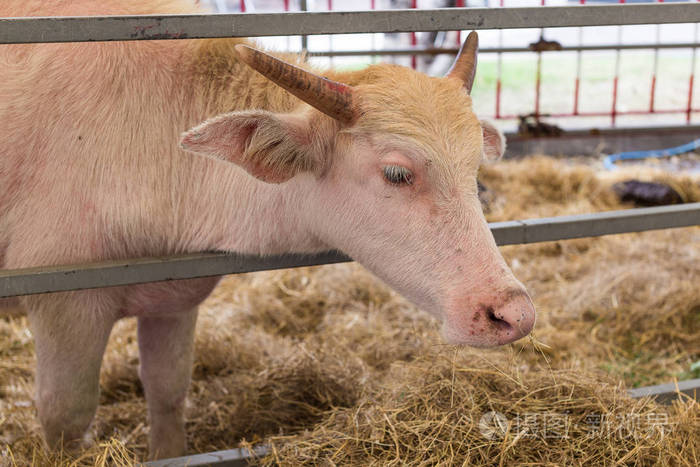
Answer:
(578, 77)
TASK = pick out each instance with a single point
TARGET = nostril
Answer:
(491, 315)
(497, 319)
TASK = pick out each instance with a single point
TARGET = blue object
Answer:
(609, 161)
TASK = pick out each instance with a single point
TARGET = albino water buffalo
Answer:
(379, 163)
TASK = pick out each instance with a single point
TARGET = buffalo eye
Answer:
(397, 175)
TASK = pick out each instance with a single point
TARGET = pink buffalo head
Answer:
(386, 165)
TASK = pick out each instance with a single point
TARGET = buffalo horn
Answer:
(330, 97)
(464, 67)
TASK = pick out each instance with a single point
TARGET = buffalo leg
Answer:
(165, 346)
(70, 334)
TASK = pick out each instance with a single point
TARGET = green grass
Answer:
(557, 83)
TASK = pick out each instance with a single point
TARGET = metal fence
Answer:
(134, 271)
(63, 278)
(173, 27)
(657, 96)
(550, 62)
(662, 393)
(202, 26)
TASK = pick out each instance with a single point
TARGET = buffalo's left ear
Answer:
(494, 141)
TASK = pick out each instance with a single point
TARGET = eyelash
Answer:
(397, 175)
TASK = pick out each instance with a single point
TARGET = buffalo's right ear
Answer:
(272, 147)
(494, 141)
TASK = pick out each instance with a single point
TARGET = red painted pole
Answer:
(414, 39)
(499, 71)
(691, 81)
(616, 80)
(498, 97)
(652, 91)
(613, 113)
(579, 58)
(689, 110)
(538, 83)
(538, 76)
(459, 4)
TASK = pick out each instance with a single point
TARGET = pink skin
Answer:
(438, 253)
(442, 258)
(89, 173)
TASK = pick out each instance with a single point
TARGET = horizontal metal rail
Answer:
(227, 458)
(200, 26)
(667, 393)
(604, 140)
(662, 393)
(134, 271)
(603, 113)
(595, 225)
(495, 50)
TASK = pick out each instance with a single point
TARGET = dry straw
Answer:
(467, 411)
(331, 367)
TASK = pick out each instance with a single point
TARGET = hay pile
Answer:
(331, 367)
(465, 410)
